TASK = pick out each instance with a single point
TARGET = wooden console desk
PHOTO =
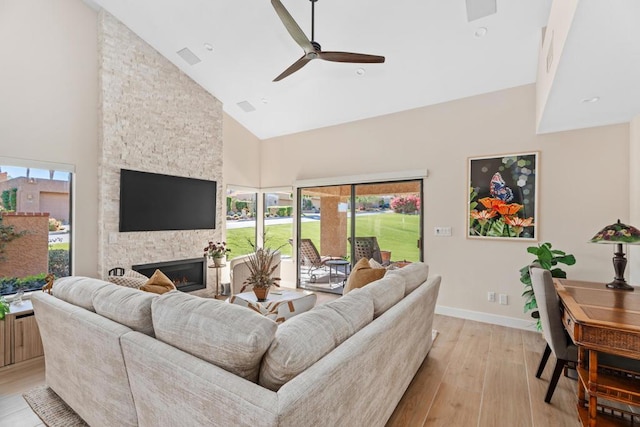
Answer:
(599, 319)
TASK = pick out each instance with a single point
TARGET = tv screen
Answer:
(151, 202)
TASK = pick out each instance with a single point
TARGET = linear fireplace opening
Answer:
(187, 274)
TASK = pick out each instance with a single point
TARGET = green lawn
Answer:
(63, 246)
(397, 233)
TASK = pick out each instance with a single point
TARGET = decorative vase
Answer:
(219, 262)
(261, 293)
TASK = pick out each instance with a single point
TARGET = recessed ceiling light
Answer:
(481, 32)
(208, 47)
(361, 71)
(591, 100)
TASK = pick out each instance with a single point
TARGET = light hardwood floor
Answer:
(475, 375)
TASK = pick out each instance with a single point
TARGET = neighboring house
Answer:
(40, 195)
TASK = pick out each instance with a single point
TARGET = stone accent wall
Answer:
(29, 254)
(152, 118)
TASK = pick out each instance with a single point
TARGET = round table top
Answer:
(275, 295)
(337, 262)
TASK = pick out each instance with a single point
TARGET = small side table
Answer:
(335, 265)
(218, 272)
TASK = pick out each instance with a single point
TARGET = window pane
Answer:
(35, 207)
(278, 221)
(241, 221)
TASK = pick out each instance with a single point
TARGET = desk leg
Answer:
(593, 381)
(582, 401)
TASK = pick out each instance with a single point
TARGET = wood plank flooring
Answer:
(475, 375)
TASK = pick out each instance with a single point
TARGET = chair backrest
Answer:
(239, 271)
(366, 247)
(309, 255)
(549, 309)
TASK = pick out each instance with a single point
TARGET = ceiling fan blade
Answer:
(292, 26)
(293, 68)
(351, 57)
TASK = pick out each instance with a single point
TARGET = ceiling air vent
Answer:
(477, 9)
(246, 106)
(188, 56)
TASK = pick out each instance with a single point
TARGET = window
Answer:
(241, 206)
(278, 221)
(35, 217)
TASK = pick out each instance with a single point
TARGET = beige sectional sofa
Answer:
(122, 357)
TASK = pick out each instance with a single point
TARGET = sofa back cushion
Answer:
(127, 306)
(78, 290)
(229, 336)
(414, 275)
(304, 339)
(385, 293)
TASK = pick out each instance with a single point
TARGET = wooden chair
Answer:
(366, 247)
(553, 330)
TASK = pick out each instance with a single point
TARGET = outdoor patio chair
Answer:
(310, 258)
(366, 247)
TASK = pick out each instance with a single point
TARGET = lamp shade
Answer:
(617, 233)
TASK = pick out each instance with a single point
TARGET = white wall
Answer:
(48, 100)
(634, 197)
(584, 184)
(241, 164)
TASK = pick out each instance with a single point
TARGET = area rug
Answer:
(51, 409)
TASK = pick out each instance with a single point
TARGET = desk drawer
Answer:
(569, 324)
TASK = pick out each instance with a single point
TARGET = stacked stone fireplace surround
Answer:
(152, 118)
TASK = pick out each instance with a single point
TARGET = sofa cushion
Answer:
(78, 290)
(130, 279)
(361, 275)
(385, 293)
(229, 336)
(158, 283)
(127, 306)
(414, 275)
(304, 339)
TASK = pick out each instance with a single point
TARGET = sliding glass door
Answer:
(339, 224)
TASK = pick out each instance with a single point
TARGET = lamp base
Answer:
(620, 285)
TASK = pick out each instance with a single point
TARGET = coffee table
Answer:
(280, 305)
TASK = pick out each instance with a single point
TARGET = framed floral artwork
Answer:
(503, 197)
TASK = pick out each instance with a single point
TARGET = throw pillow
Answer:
(130, 279)
(361, 275)
(158, 283)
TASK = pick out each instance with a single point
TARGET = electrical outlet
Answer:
(442, 231)
(504, 299)
(491, 296)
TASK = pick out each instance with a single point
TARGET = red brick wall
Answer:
(28, 254)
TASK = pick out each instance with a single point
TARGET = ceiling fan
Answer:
(312, 48)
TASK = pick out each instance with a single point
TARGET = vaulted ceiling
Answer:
(433, 54)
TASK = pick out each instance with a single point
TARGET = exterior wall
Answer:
(41, 195)
(584, 184)
(153, 118)
(48, 112)
(29, 254)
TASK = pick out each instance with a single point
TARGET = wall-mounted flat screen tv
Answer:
(151, 202)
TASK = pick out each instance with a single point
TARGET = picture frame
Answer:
(502, 199)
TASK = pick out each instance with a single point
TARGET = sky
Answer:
(16, 172)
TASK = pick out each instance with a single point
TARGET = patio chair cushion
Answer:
(361, 275)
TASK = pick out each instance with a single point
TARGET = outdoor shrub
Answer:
(241, 205)
(307, 204)
(59, 262)
(409, 204)
(54, 224)
(9, 199)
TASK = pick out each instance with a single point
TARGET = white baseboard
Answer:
(494, 319)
